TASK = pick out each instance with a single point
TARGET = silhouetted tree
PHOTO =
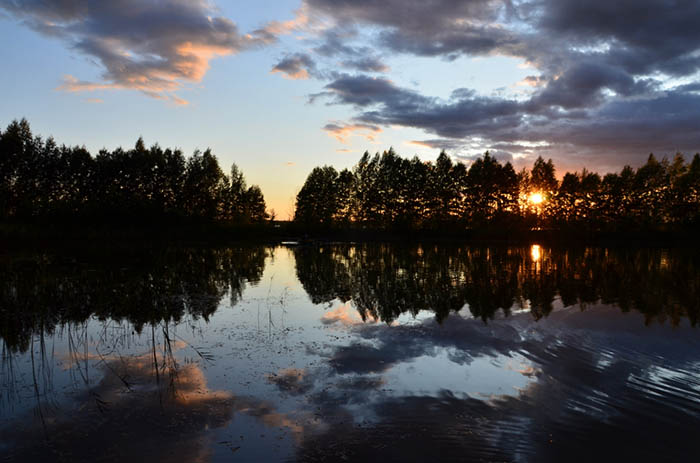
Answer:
(317, 201)
(40, 180)
(385, 191)
(493, 191)
(254, 205)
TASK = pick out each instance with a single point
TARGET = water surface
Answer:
(350, 353)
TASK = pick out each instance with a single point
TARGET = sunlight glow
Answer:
(535, 253)
(536, 197)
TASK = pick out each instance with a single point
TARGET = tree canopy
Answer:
(40, 180)
(386, 191)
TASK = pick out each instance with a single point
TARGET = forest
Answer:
(41, 181)
(388, 192)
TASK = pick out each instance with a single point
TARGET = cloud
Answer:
(296, 66)
(596, 76)
(148, 45)
(367, 64)
(443, 144)
(559, 120)
(273, 29)
(342, 131)
(423, 27)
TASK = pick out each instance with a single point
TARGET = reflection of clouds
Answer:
(292, 380)
(576, 408)
(299, 425)
(138, 417)
(384, 346)
(137, 412)
(345, 315)
(76, 358)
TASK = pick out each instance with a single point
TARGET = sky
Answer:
(282, 86)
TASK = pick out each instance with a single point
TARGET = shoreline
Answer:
(49, 236)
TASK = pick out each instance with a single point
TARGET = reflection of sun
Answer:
(536, 197)
(535, 252)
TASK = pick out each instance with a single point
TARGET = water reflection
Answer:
(383, 282)
(38, 293)
(351, 352)
(593, 387)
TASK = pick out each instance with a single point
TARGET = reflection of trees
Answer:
(385, 281)
(37, 295)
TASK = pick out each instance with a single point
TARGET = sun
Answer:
(536, 198)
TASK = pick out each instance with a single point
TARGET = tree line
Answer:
(386, 191)
(42, 181)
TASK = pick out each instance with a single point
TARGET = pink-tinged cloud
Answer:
(342, 131)
(532, 81)
(344, 315)
(297, 66)
(276, 28)
(421, 143)
(151, 46)
(301, 74)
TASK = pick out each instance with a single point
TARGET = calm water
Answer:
(351, 353)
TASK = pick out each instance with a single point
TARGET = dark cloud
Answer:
(147, 45)
(602, 89)
(337, 41)
(562, 116)
(583, 83)
(369, 64)
(362, 91)
(384, 103)
(634, 42)
(430, 28)
(296, 66)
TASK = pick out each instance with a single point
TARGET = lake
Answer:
(350, 352)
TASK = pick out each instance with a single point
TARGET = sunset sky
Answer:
(282, 86)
